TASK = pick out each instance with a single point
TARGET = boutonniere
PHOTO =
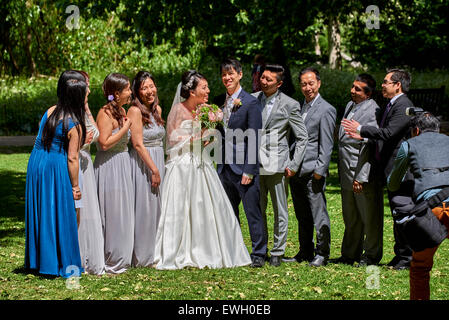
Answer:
(237, 104)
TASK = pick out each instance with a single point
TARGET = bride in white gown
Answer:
(198, 227)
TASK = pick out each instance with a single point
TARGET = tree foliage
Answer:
(169, 35)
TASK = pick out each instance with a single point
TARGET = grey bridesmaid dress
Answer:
(116, 201)
(147, 204)
(90, 230)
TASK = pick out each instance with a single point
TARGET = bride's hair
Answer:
(140, 77)
(189, 81)
(112, 83)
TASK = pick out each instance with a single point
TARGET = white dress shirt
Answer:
(268, 103)
(229, 104)
(310, 104)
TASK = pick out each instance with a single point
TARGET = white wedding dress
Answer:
(197, 227)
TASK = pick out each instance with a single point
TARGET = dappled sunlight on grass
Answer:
(295, 281)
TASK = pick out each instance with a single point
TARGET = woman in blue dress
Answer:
(51, 245)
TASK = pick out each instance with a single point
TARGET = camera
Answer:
(413, 111)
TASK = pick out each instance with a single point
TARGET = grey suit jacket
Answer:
(285, 119)
(355, 157)
(320, 124)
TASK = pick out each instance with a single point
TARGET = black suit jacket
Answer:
(395, 130)
(247, 117)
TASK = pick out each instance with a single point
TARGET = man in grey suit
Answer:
(280, 117)
(307, 187)
(361, 190)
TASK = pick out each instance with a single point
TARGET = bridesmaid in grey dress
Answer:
(147, 166)
(90, 230)
(113, 175)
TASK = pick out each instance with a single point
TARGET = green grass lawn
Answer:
(290, 281)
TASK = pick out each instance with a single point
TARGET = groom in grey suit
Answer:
(280, 117)
(307, 187)
(361, 190)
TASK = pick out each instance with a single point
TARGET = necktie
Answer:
(387, 109)
(227, 110)
(264, 110)
(305, 108)
(349, 110)
(384, 116)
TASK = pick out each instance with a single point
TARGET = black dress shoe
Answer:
(275, 261)
(364, 262)
(258, 262)
(399, 264)
(402, 265)
(318, 261)
(289, 259)
(342, 260)
(394, 261)
(298, 258)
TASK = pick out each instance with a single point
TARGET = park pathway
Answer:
(8, 141)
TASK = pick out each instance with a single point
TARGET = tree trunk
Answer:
(16, 69)
(334, 40)
(317, 44)
(279, 56)
(31, 63)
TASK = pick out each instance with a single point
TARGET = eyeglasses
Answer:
(388, 82)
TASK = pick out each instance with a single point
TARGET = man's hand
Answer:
(355, 136)
(316, 176)
(350, 127)
(289, 173)
(357, 187)
(246, 180)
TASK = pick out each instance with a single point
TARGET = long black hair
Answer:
(71, 94)
(140, 77)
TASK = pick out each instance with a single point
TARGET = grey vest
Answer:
(429, 161)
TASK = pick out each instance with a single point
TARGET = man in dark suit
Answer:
(239, 170)
(308, 185)
(394, 128)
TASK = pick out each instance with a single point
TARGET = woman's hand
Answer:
(89, 137)
(76, 193)
(155, 179)
(127, 122)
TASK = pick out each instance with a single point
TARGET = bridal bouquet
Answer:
(209, 116)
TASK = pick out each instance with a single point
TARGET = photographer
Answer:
(427, 156)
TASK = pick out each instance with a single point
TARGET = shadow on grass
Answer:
(12, 205)
(24, 271)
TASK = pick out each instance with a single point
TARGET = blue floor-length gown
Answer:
(51, 245)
